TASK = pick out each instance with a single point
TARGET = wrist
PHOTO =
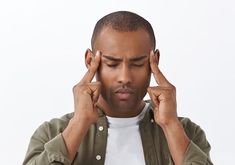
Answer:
(177, 140)
(170, 123)
(79, 125)
(175, 129)
(73, 136)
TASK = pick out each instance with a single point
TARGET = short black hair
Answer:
(123, 21)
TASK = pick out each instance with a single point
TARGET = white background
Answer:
(42, 45)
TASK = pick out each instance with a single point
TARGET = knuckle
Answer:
(96, 85)
(149, 89)
(84, 91)
(173, 88)
(92, 70)
(79, 88)
(74, 88)
(168, 92)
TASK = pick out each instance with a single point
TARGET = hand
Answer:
(86, 94)
(165, 114)
(162, 96)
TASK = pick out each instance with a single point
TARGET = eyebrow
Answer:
(112, 58)
(138, 58)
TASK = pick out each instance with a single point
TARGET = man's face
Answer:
(124, 70)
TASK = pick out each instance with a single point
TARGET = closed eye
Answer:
(138, 65)
(112, 65)
(135, 65)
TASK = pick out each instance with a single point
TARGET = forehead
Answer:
(117, 43)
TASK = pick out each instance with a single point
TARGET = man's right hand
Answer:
(86, 94)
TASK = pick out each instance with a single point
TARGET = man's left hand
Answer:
(163, 96)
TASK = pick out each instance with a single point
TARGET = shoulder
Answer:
(63, 120)
(192, 129)
(54, 126)
(196, 134)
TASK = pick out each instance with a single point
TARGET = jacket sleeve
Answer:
(198, 150)
(46, 147)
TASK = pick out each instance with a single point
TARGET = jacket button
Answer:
(98, 157)
(101, 128)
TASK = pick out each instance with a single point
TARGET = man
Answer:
(111, 123)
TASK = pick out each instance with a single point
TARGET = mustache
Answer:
(124, 90)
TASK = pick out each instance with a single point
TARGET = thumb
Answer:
(95, 87)
(153, 96)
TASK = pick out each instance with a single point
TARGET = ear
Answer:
(88, 58)
(157, 54)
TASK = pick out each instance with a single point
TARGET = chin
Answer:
(125, 105)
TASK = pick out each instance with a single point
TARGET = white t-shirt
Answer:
(124, 145)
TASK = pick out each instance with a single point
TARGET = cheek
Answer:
(143, 78)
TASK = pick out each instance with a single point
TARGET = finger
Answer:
(159, 77)
(92, 68)
(153, 96)
(159, 93)
(95, 88)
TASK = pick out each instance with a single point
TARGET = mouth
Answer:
(124, 93)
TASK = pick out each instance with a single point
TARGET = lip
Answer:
(124, 93)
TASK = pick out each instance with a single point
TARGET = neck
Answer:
(112, 111)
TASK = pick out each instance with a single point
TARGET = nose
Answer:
(124, 76)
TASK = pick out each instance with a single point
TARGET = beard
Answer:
(123, 104)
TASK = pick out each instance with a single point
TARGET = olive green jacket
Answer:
(47, 145)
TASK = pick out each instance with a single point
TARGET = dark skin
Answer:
(124, 62)
(124, 65)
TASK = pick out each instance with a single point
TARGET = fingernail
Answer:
(97, 53)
